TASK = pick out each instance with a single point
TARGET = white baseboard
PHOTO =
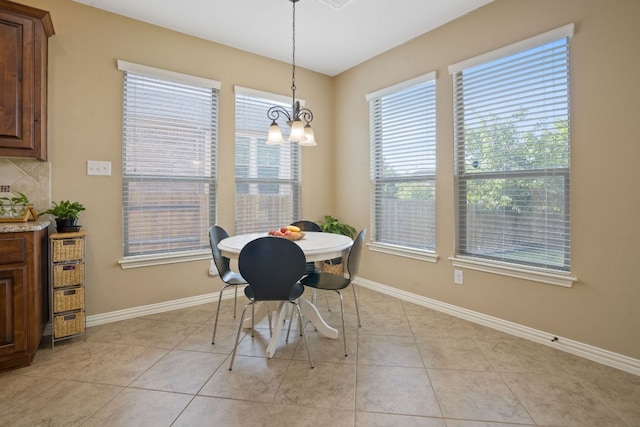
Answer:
(596, 354)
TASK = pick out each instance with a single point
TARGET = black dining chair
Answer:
(333, 282)
(229, 277)
(272, 267)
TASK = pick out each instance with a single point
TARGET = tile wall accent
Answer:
(30, 177)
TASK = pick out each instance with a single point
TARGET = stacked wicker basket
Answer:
(67, 285)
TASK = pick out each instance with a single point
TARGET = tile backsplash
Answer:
(30, 177)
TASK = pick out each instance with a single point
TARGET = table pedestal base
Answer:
(309, 311)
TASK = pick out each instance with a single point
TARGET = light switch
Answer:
(95, 167)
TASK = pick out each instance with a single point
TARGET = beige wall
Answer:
(85, 123)
(602, 307)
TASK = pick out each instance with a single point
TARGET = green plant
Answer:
(333, 225)
(14, 206)
(21, 199)
(65, 209)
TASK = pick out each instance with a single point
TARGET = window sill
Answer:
(403, 252)
(505, 269)
(161, 259)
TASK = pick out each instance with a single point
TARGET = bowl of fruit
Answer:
(290, 232)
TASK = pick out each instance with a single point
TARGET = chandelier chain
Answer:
(293, 50)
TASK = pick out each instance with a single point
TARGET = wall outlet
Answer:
(458, 277)
(98, 168)
(5, 188)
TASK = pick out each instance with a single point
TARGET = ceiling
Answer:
(331, 35)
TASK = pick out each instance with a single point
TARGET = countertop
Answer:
(18, 227)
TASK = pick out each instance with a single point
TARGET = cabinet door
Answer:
(16, 83)
(13, 308)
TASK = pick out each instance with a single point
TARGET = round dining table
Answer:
(317, 246)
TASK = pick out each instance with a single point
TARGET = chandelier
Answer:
(300, 132)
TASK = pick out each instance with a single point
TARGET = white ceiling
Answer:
(328, 40)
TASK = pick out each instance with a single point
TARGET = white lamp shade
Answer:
(275, 135)
(297, 131)
(309, 139)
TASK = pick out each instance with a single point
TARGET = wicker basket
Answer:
(333, 268)
(68, 324)
(68, 275)
(68, 249)
(68, 300)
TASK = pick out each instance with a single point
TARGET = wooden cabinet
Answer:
(24, 33)
(66, 277)
(23, 296)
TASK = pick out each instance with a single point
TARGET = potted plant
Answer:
(333, 225)
(66, 215)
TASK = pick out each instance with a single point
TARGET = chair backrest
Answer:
(271, 266)
(216, 234)
(353, 260)
(307, 225)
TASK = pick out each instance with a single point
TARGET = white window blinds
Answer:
(403, 163)
(168, 160)
(267, 176)
(512, 153)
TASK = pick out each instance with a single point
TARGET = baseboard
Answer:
(145, 310)
(596, 354)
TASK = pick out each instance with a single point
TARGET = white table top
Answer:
(316, 246)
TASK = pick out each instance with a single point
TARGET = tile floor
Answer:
(407, 366)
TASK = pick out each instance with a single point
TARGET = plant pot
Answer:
(67, 225)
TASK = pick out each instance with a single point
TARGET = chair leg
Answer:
(326, 298)
(215, 325)
(235, 347)
(304, 334)
(289, 328)
(235, 302)
(355, 298)
(344, 332)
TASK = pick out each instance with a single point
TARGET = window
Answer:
(403, 166)
(168, 161)
(512, 154)
(267, 176)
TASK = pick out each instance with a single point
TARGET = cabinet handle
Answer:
(68, 242)
(69, 292)
(69, 267)
(69, 317)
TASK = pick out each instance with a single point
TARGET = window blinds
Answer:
(267, 176)
(512, 156)
(403, 163)
(169, 163)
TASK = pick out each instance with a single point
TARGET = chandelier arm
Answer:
(274, 113)
(306, 115)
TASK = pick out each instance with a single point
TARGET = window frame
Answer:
(257, 141)
(201, 252)
(377, 143)
(527, 271)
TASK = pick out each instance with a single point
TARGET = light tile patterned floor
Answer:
(407, 366)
